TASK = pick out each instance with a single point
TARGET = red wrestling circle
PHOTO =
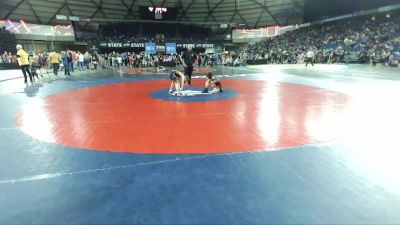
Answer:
(122, 117)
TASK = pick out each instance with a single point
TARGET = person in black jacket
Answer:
(188, 59)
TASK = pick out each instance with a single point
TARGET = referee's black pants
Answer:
(188, 72)
(310, 60)
(25, 69)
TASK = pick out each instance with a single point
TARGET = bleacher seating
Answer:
(7, 43)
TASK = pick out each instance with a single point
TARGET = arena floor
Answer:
(282, 145)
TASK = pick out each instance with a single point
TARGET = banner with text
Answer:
(143, 45)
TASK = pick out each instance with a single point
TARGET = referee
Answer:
(188, 59)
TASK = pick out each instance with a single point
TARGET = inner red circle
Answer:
(122, 117)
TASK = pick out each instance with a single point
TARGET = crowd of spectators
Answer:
(361, 40)
(143, 32)
(134, 60)
(71, 61)
(124, 38)
(8, 57)
(357, 40)
(129, 59)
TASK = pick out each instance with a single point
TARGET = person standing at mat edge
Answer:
(54, 59)
(23, 62)
(189, 58)
(66, 60)
(310, 57)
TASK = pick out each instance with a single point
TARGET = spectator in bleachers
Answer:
(356, 39)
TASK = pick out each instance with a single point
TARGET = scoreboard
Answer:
(157, 13)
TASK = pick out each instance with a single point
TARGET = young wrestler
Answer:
(177, 81)
(212, 82)
(217, 87)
